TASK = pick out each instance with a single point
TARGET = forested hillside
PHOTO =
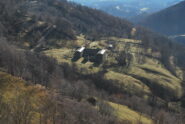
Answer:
(169, 21)
(58, 20)
(140, 81)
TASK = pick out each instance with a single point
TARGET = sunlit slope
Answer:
(21, 102)
(127, 83)
(126, 114)
(161, 81)
(144, 76)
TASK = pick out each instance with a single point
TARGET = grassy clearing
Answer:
(87, 68)
(160, 76)
(124, 113)
(98, 44)
(81, 41)
(124, 40)
(151, 70)
(128, 83)
(63, 55)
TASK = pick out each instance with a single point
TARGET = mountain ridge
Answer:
(127, 9)
(169, 21)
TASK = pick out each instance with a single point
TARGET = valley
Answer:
(127, 8)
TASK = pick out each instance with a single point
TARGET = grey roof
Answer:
(102, 51)
(81, 49)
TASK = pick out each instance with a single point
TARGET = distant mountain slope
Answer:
(178, 38)
(128, 8)
(170, 21)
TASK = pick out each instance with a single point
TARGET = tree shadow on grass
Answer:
(84, 61)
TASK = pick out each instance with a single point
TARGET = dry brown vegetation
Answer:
(144, 72)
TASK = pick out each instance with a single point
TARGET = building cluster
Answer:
(93, 55)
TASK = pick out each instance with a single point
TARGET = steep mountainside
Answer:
(170, 21)
(53, 20)
(121, 74)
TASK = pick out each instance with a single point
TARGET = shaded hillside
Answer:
(53, 20)
(178, 38)
(170, 21)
